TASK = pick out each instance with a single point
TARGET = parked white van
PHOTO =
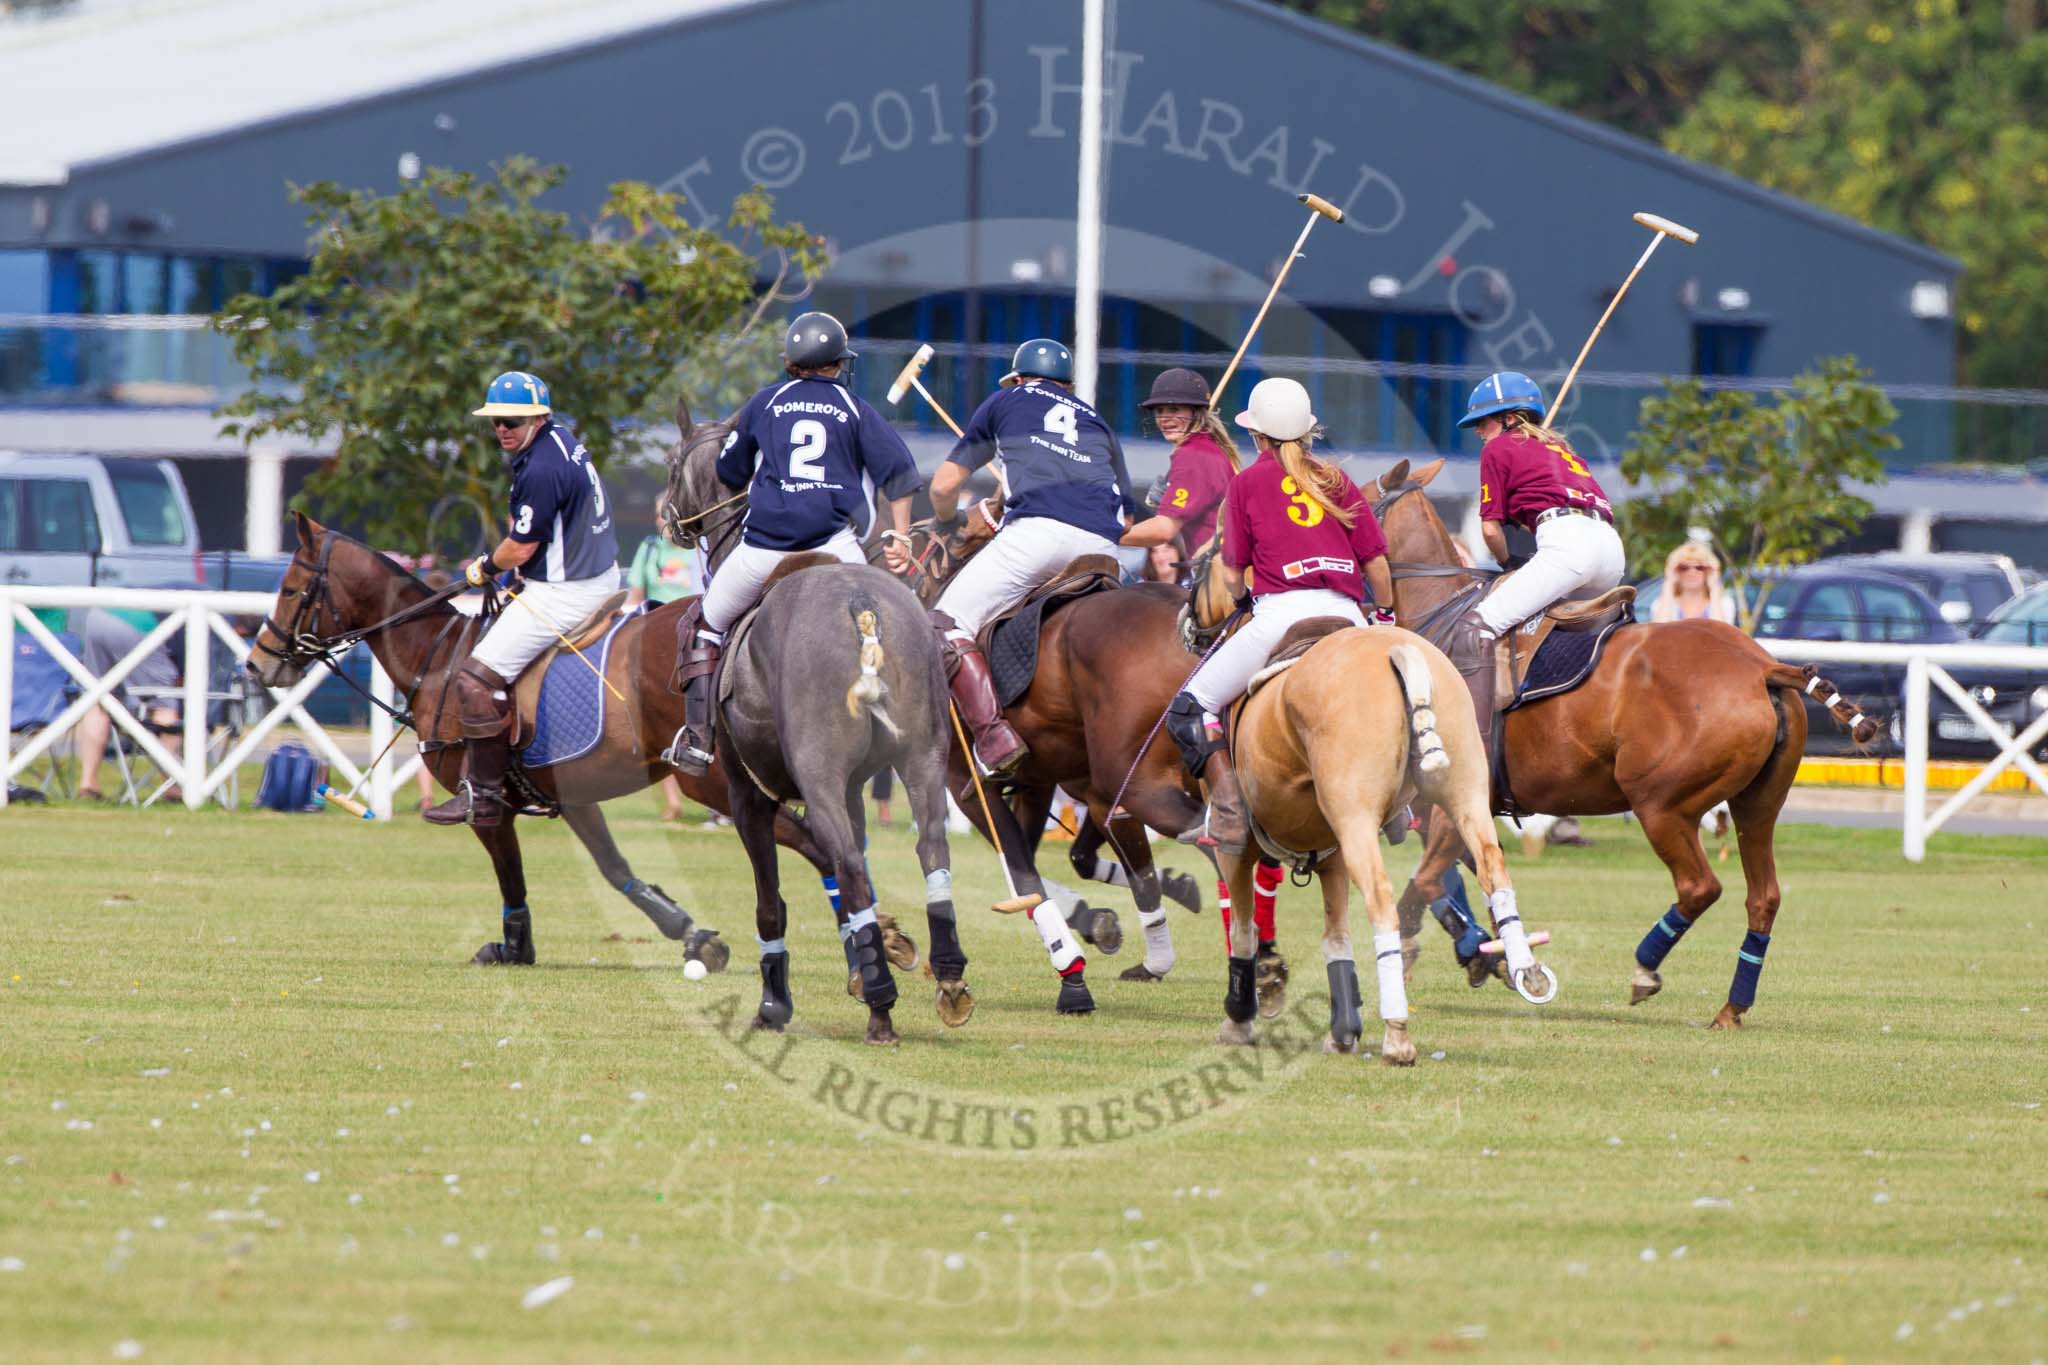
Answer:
(82, 520)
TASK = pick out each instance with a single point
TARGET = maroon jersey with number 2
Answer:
(1289, 542)
(1195, 483)
(1521, 477)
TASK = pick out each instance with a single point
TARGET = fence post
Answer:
(1916, 759)
(381, 783)
(6, 695)
(198, 681)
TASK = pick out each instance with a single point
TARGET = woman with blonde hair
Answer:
(1310, 544)
(1692, 587)
(1204, 461)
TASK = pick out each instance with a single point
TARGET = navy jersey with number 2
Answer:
(1060, 460)
(812, 456)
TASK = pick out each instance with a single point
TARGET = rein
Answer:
(1434, 622)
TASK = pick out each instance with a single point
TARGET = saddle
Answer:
(1582, 628)
(526, 689)
(1010, 641)
(1300, 638)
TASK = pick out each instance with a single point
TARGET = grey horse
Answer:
(837, 678)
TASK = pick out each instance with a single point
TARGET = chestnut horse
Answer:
(1676, 719)
(338, 590)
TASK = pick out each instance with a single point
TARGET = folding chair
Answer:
(227, 705)
(42, 689)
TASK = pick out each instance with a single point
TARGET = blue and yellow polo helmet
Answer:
(515, 393)
(1507, 391)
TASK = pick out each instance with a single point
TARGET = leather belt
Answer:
(1542, 517)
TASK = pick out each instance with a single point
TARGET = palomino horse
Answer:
(1108, 664)
(836, 678)
(1675, 719)
(338, 591)
(1325, 750)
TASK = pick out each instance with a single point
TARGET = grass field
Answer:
(253, 1104)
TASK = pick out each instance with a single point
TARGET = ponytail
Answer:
(1527, 424)
(1220, 434)
(1317, 477)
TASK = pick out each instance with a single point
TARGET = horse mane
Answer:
(693, 482)
(385, 561)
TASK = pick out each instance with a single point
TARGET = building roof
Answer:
(104, 79)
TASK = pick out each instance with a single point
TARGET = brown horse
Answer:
(1675, 719)
(338, 590)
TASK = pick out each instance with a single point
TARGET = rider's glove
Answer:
(480, 571)
(1380, 616)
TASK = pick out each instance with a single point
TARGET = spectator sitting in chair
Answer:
(109, 633)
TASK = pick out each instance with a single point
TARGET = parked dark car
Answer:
(2022, 620)
(1824, 602)
(1965, 585)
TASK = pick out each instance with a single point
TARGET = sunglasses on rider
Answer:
(504, 423)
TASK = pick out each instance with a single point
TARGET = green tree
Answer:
(414, 300)
(1773, 484)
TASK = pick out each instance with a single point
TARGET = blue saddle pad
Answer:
(569, 720)
(1565, 659)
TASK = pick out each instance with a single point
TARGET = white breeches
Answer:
(518, 636)
(1576, 557)
(1024, 554)
(1222, 680)
(737, 583)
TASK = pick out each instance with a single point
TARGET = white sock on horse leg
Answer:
(1159, 955)
(1507, 922)
(1109, 870)
(770, 945)
(1386, 950)
(1060, 944)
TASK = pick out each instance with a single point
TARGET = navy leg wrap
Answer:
(1749, 965)
(1663, 936)
(1454, 913)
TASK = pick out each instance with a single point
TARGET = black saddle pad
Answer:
(1565, 659)
(1012, 644)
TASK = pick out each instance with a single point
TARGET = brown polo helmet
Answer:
(1178, 388)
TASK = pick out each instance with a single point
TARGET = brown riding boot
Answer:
(485, 702)
(997, 747)
(1227, 827)
(1205, 754)
(1472, 654)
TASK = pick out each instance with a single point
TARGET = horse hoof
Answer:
(1397, 1048)
(1074, 995)
(955, 1002)
(1271, 982)
(708, 948)
(1730, 1019)
(1343, 1046)
(1182, 889)
(770, 1021)
(900, 948)
(853, 984)
(1105, 931)
(881, 1033)
(1140, 972)
(500, 955)
(1646, 984)
(1537, 985)
(1234, 1034)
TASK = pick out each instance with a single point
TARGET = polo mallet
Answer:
(570, 645)
(1015, 903)
(1660, 228)
(347, 803)
(1319, 207)
(906, 380)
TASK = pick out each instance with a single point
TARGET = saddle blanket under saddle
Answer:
(1565, 659)
(569, 719)
(1011, 644)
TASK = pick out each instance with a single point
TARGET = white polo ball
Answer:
(695, 971)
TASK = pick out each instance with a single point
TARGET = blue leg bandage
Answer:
(1663, 935)
(1454, 913)
(1749, 965)
(832, 893)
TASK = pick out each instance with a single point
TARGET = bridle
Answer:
(1438, 619)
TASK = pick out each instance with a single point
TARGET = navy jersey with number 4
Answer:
(558, 502)
(812, 456)
(1060, 460)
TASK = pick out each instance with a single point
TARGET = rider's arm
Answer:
(1152, 531)
(736, 456)
(1496, 540)
(1380, 579)
(945, 490)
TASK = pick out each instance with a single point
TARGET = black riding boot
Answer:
(1205, 755)
(485, 702)
(697, 670)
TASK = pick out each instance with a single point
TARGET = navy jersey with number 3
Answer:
(558, 503)
(1060, 460)
(812, 456)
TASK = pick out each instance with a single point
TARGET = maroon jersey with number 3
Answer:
(1521, 477)
(1289, 542)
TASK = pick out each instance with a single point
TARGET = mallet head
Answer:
(909, 373)
(1322, 206)
(1668, 228)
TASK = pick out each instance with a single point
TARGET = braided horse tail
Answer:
(1806, 678)
(868, 691)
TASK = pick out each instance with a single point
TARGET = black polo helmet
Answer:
(1180, 389)
(816, 340)
(1040, 358)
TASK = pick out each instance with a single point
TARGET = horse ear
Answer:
(1421, 477)
(683, 415)
(1394, 477)
(308, 529)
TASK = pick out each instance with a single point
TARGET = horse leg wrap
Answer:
(1749, 965)
(1266, 879)
(948, 958)
(877, 983)
(1347, 1020)
(516, 947)
(831, 884)
(1241, 1001)
(1507, 923)
(1662, 938)
(1061, 944)
(776, 1006)
(1097, 868)
(1159, 954)
(1386, 950)
(1454, 913)
(653, 902)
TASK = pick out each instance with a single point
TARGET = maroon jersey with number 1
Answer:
(1289, 542)
(1521, 477)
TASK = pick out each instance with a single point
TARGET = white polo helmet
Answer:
(1278, 410)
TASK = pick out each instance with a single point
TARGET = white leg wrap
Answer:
(1507, 922)
(1386, 950)
(938, 886)
(1060, 944)
(1159, 954)
(770, 945)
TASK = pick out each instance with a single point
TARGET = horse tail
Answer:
(1416, 685)
(1806, 678)
(868, 690)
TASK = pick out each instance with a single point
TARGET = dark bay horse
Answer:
(338, 589)
(1675, 719)
(837, 678)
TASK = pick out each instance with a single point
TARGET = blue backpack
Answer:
(290, 775)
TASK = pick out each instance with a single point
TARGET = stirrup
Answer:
(685, 757)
